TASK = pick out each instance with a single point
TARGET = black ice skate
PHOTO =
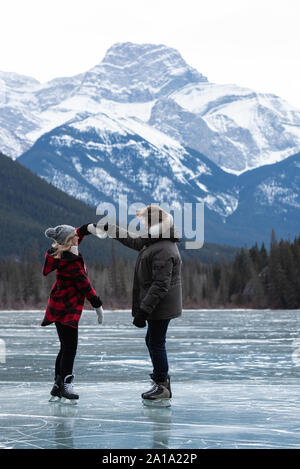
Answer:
(67, 392)
(55, 391)
(159, 395)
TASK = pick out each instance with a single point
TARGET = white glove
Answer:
(100, 314)
(97, 231)
(91, 228)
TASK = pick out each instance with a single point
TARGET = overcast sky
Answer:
(252, 43)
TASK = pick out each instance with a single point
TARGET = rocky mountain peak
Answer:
(140, 72)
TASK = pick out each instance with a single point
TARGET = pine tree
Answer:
(223, 287)
(277, 278)
(263, 257)
(288, 283)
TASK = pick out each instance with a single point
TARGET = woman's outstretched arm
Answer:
(131, 240)
(83, 231)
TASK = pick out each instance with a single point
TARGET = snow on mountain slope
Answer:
(244, 129)
(109, 156)
(23, 109)
(98, 157)
(235, 127)
(268, 199)
(138, 73)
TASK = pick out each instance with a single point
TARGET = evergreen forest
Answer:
(254, 278)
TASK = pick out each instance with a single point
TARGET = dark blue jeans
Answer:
(156, 343)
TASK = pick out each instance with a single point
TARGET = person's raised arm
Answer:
(83, 231)
(131, 240)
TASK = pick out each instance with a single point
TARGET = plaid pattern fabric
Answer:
(72, 286)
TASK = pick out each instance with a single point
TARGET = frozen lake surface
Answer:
(235, 380)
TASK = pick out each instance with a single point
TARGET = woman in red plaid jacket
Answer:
(66, 301)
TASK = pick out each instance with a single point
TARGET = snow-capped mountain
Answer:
(98, 157)
(237, 128)
(145, 124)
(269, 198)
(132, 73)
(18, 115)
(26, 109)
(128, 80)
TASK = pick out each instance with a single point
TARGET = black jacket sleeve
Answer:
(125, 237)
(83, 230)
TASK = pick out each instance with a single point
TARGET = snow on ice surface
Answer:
(235, 380)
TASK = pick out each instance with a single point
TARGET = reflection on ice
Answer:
(235, 379)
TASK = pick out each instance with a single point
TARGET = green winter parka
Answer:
(157, 287)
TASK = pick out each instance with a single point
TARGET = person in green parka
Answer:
(157, 287)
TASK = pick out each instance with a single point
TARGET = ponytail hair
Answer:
(61, 248)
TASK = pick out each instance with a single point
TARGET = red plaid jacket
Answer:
(72, 286)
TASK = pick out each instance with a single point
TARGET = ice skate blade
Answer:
(157, 402)
(66, 401)
(54, 399)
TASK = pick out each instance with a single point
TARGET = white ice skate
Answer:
(67, 392)
(100, 314)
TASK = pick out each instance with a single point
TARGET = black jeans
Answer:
(156, 343)
(68, 337)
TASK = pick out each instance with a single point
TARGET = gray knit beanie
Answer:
(59, 233)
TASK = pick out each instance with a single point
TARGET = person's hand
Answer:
(100, 314)
(98, 229)
(139, 322)
(91, 228)
(140, 319)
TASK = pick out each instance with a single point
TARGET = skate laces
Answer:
(68, 387)
(156, 388)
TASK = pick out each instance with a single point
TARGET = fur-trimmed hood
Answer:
(159, 222)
